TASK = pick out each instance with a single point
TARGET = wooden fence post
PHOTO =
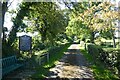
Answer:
(47, 57)
(39, 60)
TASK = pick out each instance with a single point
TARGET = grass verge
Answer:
(100, 72)
(43, 70)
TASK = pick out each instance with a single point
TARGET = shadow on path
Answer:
(73, 65)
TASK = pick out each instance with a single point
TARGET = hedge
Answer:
(111, 58)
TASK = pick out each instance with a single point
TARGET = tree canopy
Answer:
(81, 19)
(94, 17)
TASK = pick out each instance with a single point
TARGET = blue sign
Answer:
(25, 43)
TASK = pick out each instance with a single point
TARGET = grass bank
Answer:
(99, 70)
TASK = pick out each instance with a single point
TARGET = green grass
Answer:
(110, 49)
(99, 70)
(43, 70)
(105, 40)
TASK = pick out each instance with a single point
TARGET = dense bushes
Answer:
(114, 59)
(109, 57)
(8, 50)
(93, 50)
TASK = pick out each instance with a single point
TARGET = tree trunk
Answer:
(0, 32)
(113, 37)
(92, 37)
(0, 19)
(42, 39)
(4, 9)
(114, 44)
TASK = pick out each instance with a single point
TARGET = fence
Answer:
(43, 58)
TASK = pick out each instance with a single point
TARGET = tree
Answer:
(0, 17)
(5, 6)
(80, 26)
(48, 20)
(104, 19)
(17, 22)
(4, 9)
(97, 16)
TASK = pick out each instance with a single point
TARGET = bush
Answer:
(8, 50)
(83, 39)
(39, 46)
(109, 57)
(87, 41)
(55, 54)
(102, 44)
(93, 50)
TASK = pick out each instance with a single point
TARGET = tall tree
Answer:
(48, 19)
(78, 24)
(102, 18)
(18, 22)
(4, 9)
(97, 16)
(5, 6)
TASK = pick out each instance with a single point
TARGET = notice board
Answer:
(25, 43)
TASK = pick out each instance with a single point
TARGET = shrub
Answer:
(39, 46)
(109, 57)
(55, 54)
(8, 50)
(83, 39)
(93, 50)
(102, 44)
(87, 41)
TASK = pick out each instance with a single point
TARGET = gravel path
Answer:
(72, 65)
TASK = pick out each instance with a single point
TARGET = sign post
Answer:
(25, 43)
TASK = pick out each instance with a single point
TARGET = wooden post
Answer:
(85, 46)
(39, 61)
(30, 53)
(47, 57)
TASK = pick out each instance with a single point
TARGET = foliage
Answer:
(98, 68)
(55, 55)
(47, 19)
(96, 22)
(4, 9)
(37, 44)
(17, 21)
(8, 51)
(43, 17)
(92, 49)
(95, 17)
(106, 34)
(109, 57)
(77, 27)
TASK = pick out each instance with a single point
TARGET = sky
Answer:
(14, 5)
(8, 23)
(8, 16)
